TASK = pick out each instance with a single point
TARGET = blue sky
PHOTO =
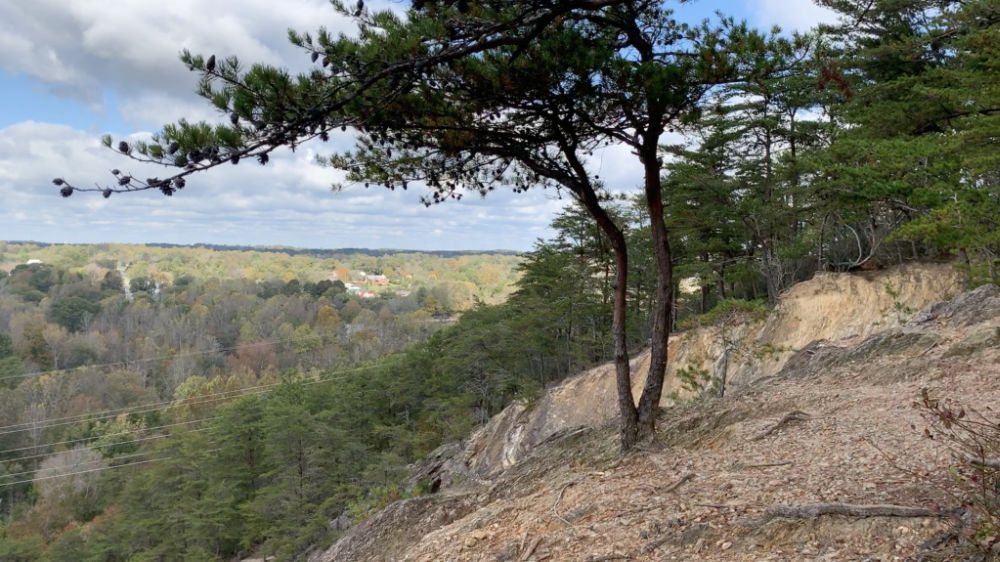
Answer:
(71, 71)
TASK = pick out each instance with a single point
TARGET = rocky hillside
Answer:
(817, 416)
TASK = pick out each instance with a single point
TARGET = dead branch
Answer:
(555, 506)
(609, 557)
(768, 465)
(929, 349)
(790, 417)
(961, 520)
(678, 484)
(653, 545)
(812, 511)
(531, 548)
(983, 462)
(644, 509)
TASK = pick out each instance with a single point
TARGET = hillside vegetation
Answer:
(833, 451)
(136, 382)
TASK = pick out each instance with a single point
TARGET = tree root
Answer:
(555, 506)
(793, 416)
(677, 484)
(812, 511)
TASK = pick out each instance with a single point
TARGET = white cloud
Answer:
(288, 202)
(85, 47)
(790, 15)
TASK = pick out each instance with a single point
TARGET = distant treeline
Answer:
(326, 253)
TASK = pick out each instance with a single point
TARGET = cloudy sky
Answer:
(72, 70)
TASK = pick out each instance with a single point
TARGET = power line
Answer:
(115, 444)
(268, 387)
(195, 401)
(122, 457)
(6, 484)
(323, 335)
(107, 414)
(140, 409)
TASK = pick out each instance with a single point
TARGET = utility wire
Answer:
(6, 484)
(102, 459)
(198, 400)
(318, 381)
(103, 468)
(163, 357)
(154, 406)
(115, 444)
(193, 401)
(137, 409)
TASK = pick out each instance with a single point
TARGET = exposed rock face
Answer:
(967, 309)
(406, 520)
(835, 323)
(837, 307)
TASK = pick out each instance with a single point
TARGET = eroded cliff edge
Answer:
(849, 352)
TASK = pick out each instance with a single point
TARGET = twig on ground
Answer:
(653, 545)
(768, 465)
(555, 506)
(928, 350)
(678, 484)
(793, 416)
(812, 511)
(983, 462)
(525, 555)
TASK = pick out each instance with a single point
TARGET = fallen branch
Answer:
(555, 506)
(653, 545)
(768, 465)
(983, 462)
(677, 484)
(813, 511)
(531, 548)
(794, 416)
(609, 557)
(928, 350)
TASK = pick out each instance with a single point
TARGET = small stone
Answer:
(727, 545)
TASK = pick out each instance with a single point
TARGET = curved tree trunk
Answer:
(649, 402)
(629, 418)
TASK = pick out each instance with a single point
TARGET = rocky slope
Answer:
(818, 411)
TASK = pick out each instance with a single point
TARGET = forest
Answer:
(229, 404)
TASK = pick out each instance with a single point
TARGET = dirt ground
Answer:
(860, 441)
(837, 426)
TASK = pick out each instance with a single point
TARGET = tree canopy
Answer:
(471, 96)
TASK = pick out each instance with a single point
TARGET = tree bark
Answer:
(649, 402)
(628, 426)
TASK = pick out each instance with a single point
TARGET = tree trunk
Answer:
(649, 402)
(772, 280)
(963, 256)
(628, 425)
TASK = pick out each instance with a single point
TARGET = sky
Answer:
(71, 71)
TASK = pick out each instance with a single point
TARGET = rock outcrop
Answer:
(515, 488)
(832, 307)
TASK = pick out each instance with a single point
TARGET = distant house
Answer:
(352, 288)
(33, 262)
(367, 294)
(378, 280)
